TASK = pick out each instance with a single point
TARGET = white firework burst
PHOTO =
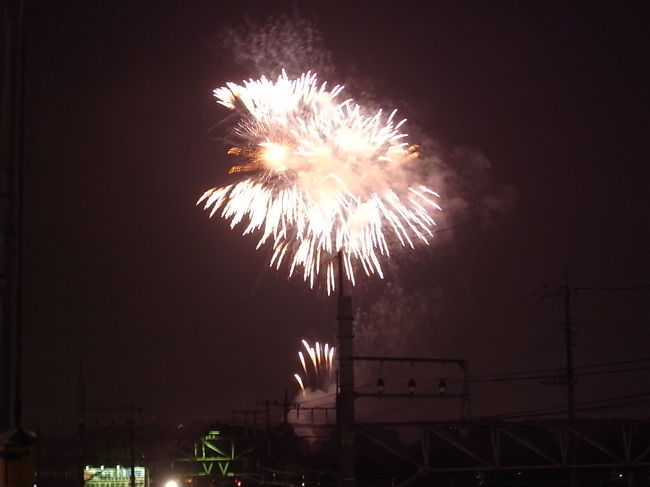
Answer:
(320, 177)
(317, 371)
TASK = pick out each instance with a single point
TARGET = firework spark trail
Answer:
(320, 176)
(300, 383)
(319, 375)
(302, 361)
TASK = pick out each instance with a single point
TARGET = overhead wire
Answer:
(614, 401)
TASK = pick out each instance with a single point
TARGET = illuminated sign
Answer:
(115, 476)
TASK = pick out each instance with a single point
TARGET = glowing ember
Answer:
(320, 176)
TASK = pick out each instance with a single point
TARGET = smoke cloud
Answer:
(287, 42)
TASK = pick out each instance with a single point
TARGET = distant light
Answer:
(171, 483)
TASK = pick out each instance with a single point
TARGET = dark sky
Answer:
(175, 313)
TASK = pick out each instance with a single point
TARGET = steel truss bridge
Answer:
(617, 450)
(550, 453)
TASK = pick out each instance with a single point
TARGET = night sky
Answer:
(540, 110)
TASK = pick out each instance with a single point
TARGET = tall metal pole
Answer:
(11, 178)
(345, 397)
(571, 402)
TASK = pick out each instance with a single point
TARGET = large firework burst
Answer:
(320, 177)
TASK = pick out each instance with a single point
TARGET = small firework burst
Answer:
(317, 369)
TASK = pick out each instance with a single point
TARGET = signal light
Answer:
(411, 386)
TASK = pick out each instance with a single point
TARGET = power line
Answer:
(496, 377)
(605, 403)
(541, 377)
(611, 329)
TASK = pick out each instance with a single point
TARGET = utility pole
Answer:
(345, 396)
(132, 424)
(565, 291)
(571, 399)
(285, 407)
(267, 413)
(82, 424)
